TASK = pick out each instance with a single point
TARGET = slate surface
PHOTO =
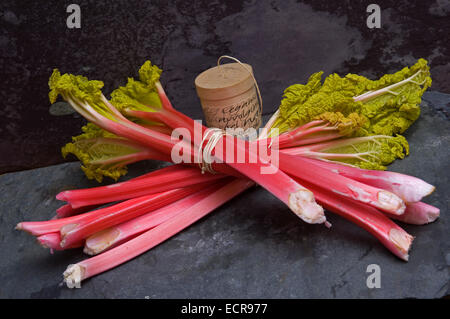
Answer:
(251, 247)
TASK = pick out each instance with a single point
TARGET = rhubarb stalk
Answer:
(306, 170)
(116, 214)
(107, 214)
(375, 222)
(118, 234)
(168, 178)
(411, 189)
(418, 214)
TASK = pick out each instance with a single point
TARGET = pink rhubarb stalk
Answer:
(168, 178)
(38, 228)
(418, 213)
(116, 214)
(67, 210)
(53, 241)
(75, 273)
(123, 232)
(306, 170)
(409, 188)
(392, 236)
(295, 196)
(299, 199)
(312, 132)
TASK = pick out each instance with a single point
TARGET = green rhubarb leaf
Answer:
(295, 95)
(139, 95)
(149, 74)
(100, 152)
(387, 112)
(394, 111)
(78, 90)
(136, 95)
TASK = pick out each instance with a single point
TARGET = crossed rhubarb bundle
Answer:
(332, 139)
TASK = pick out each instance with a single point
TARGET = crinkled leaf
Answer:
(387, 114)
(293, 96)
(78, 89)
(149, 74)
(74, 85)
(346, 125)
(136, 95)
(334, 95)
(100, 152)
(361, 107)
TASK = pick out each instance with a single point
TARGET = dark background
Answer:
(285, 41)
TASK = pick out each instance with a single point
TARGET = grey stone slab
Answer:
(251, 247)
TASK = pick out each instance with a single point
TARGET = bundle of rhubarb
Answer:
(332, 140)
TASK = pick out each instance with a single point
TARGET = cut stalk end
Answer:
(402, 241)
(25, 226)
(43, 241)
(67, 228)
(73, 275)
(433, 214)
(427, 189)
(390, 202)
(303, 204)
(100, 241)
